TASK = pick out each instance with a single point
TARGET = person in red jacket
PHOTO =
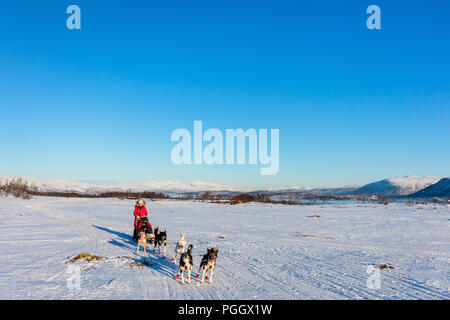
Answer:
(139, 212)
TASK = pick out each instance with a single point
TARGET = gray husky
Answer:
(208, 264)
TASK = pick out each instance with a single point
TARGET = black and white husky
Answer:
(160, 240)
(208, 264)
(186, 263)
(179, 248)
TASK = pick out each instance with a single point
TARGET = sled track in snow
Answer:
(166, 286)
(331, 272)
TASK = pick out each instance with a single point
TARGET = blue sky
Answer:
(353, 105)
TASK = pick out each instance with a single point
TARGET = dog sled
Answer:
(186, 264)
(143, 233)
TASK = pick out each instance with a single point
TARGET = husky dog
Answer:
(186, 263)
(142, 240)
(145, 227)
(179, 248)
(208, 264)
(160, 239)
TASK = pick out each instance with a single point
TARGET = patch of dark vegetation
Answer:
(120, 195)
(134, 195)
(18, 188)
(139, 264)
(246, 197)
(64, 194)
(234, 198)
(383, 201)
(85, 257)
(261, 198)
(130, 262)
(301, 235)
(123, 257)
(25, 214)
(384, 266)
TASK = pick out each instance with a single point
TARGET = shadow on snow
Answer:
(152, 261)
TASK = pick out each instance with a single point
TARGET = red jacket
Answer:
(139, 212)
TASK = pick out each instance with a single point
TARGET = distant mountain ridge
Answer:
(399, 186)
(426, 186)
(441, 189)
(54, 185)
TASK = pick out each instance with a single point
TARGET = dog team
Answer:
(143, 233)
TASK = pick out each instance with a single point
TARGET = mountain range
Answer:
(54, 185)
(408, 186)
(400, 186)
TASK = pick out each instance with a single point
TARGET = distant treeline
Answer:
(20, 188)
(234, 198)
(109, 194)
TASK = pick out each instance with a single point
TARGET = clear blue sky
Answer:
(352, 105)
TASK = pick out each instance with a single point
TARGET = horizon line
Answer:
(226, 187)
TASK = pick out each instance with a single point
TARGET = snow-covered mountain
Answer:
(440, 189)
(53, 185)
(397, 186)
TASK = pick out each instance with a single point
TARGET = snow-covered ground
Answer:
(265, 251)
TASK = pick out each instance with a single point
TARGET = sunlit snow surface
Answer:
(265, 251)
